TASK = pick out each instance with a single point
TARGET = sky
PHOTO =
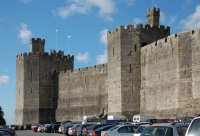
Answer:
(79, 25)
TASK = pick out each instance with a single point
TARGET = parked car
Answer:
(40, 128)
(140, 129)
(165, 129)
(9, 131)
(97, 132)
(34, 127)
(3, 133)
(47, 128)
(13, 127)
(66, 127)
(55, 128)
(72, 131)
(194, 127)
(120, 130)
(92, 128)
(142, 118)
(82, 128)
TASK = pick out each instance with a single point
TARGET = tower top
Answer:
(37, 45)
(153, 16)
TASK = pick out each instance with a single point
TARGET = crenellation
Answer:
(37, 40)
(138, 26)
(84, 70)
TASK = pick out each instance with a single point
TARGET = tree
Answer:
(2, 120)
(1, 112)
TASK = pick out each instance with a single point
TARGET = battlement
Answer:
(173, 38)
(37, 40)
(153, 16)
(37, 45)
(84, 70)
(153, 11)
(138, 27)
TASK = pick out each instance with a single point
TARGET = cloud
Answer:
(172, 20)
(192, 21)
(82, 57)
(102, 58)
(103, 36)
(24, 33)
(26, 1)
(105, 8)
(130, 2)
(4, 79)
(137, 20)
(65, 12)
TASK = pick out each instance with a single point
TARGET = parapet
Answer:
(153, 11)
(173, 38)
(86, 70)
(37, 40)
(138, 27)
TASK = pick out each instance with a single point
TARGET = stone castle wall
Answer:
(148, 72)
(170, 76)
(82, 92)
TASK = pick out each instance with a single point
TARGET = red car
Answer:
(34, 127)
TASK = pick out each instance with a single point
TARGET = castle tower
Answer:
(124, 67)
(153, 16)
(37, 83)
(37, 45)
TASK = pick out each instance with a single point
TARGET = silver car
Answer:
(165, 129)
(194, 128)
(120, 130)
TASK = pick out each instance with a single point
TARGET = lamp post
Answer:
(68, 37)
(56, 38)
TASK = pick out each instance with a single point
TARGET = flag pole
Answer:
(56, 39)
(68, 37)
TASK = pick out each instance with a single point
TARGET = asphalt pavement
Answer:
(31, 133)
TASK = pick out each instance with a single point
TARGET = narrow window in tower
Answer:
(135, 47)
(46, 91)
(31, 90)
(31, 75)
(130, 68)
(113, 52)
(46, 76)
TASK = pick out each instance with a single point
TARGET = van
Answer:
(90, 120)
(141, 118)
(117, 117)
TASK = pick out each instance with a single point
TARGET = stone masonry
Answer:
(149, 71)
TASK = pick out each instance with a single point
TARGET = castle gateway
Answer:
(149, 71)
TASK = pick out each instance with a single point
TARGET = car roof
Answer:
(170, 124)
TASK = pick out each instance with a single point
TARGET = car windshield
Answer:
(194, 129)
(157, 131)
(140, 129)
(113, 128)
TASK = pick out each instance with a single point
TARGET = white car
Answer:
(120, 130)
(165, 129)
(194, 127)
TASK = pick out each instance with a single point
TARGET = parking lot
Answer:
(31, 133)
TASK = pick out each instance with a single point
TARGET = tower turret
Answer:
(153, 16)
(37, 45)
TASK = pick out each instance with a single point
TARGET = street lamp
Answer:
(68, 37)
(56, 38)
